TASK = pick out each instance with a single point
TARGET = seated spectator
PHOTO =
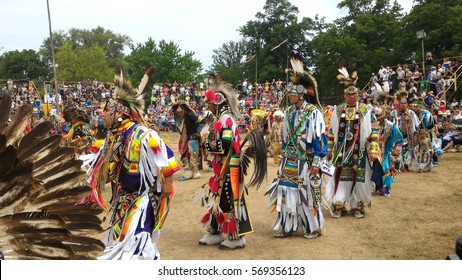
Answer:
(441, 69)
(452, 138)
(446, 64)
(456, 113)
(453, 66)
(453, 104)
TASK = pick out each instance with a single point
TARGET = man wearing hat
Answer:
(295, 192)
(352, 144)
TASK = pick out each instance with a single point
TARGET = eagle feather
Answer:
(40, 185)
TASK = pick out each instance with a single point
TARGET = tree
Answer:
(22, 65)
(228, 60)
(82, 64)
(367, 37)
(170, 64)
(111, 43)
(441, 21)
(274, 25)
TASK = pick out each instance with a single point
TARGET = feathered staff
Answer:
(40, 184)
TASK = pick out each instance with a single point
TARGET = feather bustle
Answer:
(15, 129)
(37, 175)
(5, 108)
(256, 149)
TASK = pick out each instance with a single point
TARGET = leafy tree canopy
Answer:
(171, 65)
(85, 63)
(19, 65)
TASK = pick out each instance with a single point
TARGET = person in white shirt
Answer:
(453, 104)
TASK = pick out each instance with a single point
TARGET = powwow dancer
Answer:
(227, 219)
(426, 144)
(295, 192)
(80, 135)
(390, 142)
(408, 123)
(187, 122)
(352, 143)
(140, 167)
(275, 136)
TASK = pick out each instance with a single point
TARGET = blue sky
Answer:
(194, 25)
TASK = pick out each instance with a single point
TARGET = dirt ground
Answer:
(421, 220)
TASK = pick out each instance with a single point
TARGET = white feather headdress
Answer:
(348, 81)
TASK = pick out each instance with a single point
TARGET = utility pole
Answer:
(52, 45)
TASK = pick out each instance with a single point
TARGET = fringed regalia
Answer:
(227, 210)
(408, 123)
(390, 138)
(350, 135)
(136, 160)
(427, 144)
(292, 195)
(139, 166)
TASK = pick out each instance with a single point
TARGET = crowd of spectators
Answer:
(266, 96)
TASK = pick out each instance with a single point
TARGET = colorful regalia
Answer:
(138, 164)
(295, 193)
(408, 123)
(138, 161)
(227, 219)
(351, 141)
(80, 134)
(390, 142)
(426, 144)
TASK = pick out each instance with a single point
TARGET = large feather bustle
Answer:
(15, 129)
(5, 108)
(40, 184)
